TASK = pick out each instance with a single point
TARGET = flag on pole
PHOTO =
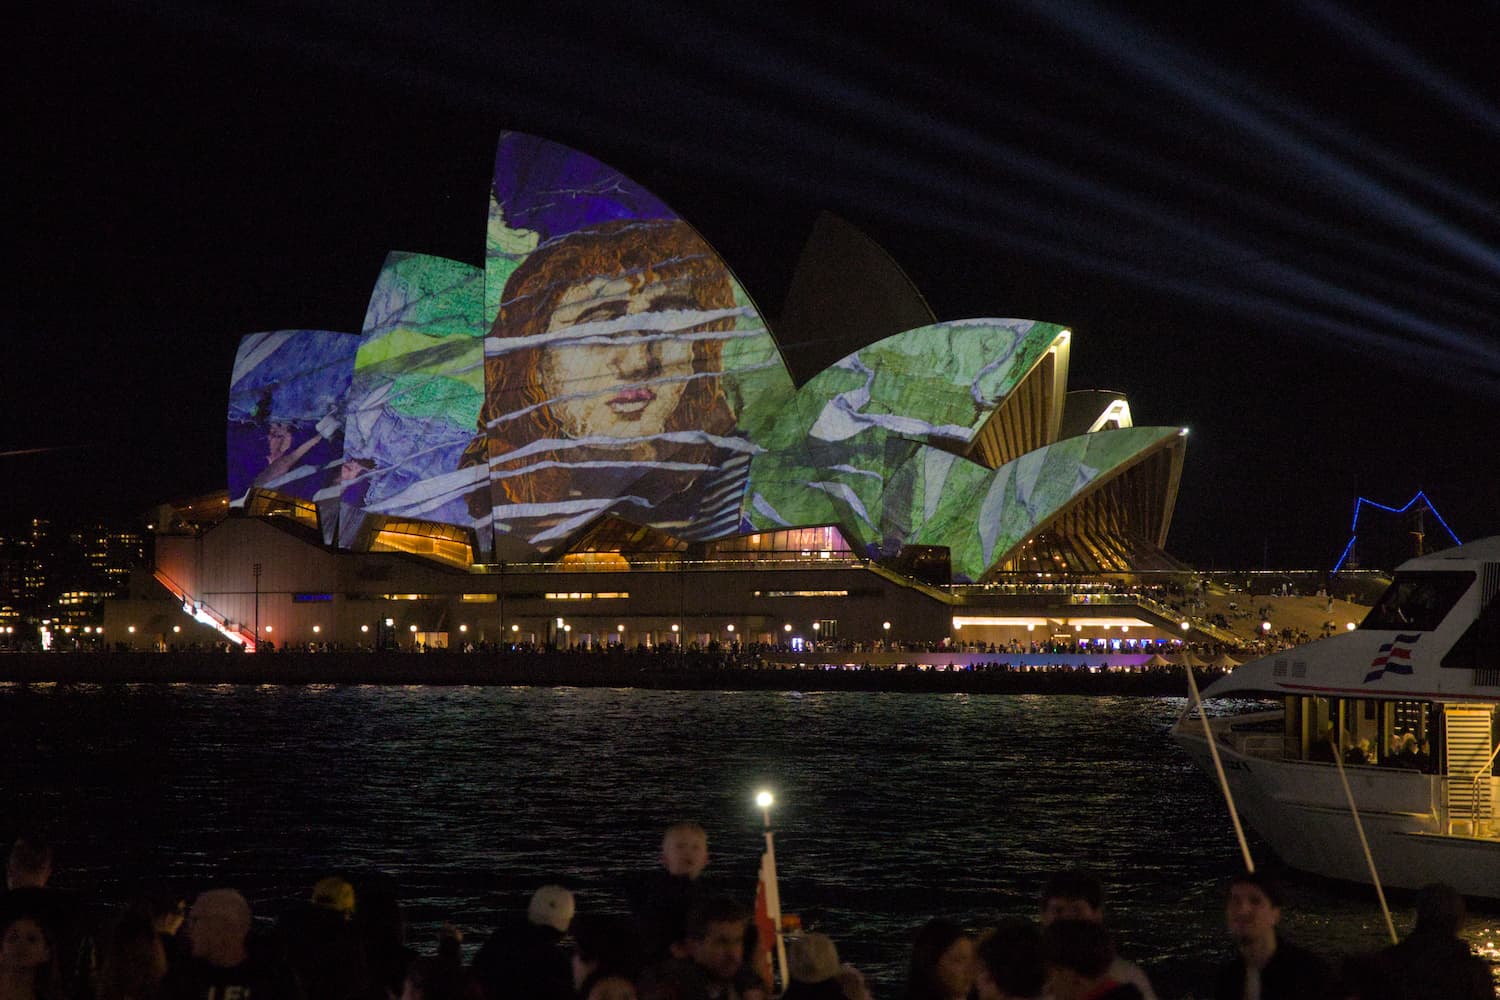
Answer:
(768, 919)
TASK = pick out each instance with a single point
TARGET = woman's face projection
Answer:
(622, 369)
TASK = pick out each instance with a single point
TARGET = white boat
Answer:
(1408, 700)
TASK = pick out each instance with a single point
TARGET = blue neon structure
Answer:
(1360, 503)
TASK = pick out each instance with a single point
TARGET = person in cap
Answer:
(524, 957)
(324, 948)
(1266, 965)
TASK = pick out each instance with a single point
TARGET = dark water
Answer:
(892, 808)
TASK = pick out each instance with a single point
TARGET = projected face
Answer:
(627, 381)
(278, 441)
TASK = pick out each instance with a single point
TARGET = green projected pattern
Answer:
(885, 492)
(417, 388)
(935, 384)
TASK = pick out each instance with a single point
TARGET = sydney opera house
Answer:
(597, 437)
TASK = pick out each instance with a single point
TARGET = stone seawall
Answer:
(556, 669)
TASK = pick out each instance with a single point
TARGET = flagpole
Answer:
(773, 893)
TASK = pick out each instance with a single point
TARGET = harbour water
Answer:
(891, 808)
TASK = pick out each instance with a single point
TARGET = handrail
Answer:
(1479, 778)
(180, 593)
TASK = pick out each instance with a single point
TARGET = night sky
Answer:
(1277, 224)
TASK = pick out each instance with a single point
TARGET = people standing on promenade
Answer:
(714, 966)
(1266, 965)
(63, 915)
(1079, 895)
(1078, 954)
(1432, 962)
(324, 948)
(28, 965)
(524, 957)
(1010, 965)
(220, 964)
(660, 900)
(942, 963)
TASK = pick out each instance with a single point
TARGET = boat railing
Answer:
(1261, 737)
(1482, 796)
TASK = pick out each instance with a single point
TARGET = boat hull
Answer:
(1300, 809)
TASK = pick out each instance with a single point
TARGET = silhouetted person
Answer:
(324, 948)
(1077, 954)
(1079, 895)
(1433, 962)
(1010, 963)
(524, 958)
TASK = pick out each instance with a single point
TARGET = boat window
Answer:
(1417, 601)
(1362, 732)
(1475, 649)
(1406, 735)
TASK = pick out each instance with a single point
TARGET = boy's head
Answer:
(684, 849)
(716, 936)
(1253, 907)
(1072, 895)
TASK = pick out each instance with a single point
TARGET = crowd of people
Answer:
(684, 939)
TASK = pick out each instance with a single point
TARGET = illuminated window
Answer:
(801, 593)
(440, 542)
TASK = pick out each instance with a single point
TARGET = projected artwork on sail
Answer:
(417, 388)
(286, 412)
(618, 356)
